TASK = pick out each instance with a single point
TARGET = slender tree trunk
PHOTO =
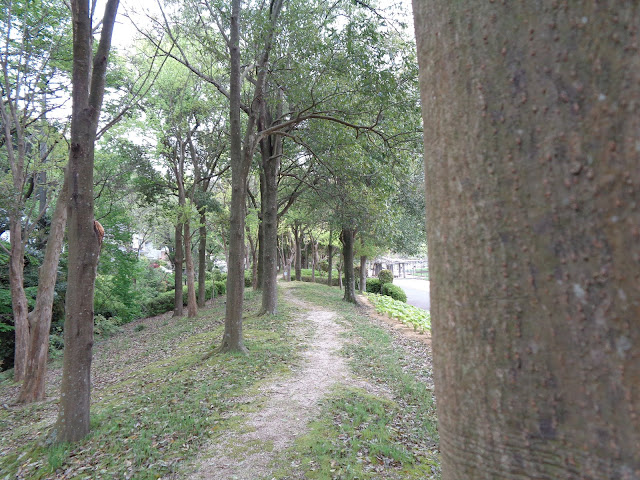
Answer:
(34, 387)
(271, 149)
(192, 305)
(19, 304)
(84, 233)
(533, 235)
(297, 236)
(232, 339)
(253, 249)
(330, 260)
(202, 259)
(363, 273)
(347, 239)
(178, 301)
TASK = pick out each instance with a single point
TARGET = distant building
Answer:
(147, 249)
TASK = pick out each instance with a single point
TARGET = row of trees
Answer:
(295, 133)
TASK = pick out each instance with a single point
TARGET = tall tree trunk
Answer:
(192, 305)
(202, 259)
(19, 305)
(347, 239)
(533, 235)
(297, 236)
(270, 148)
(178, 260)
(84, 233)
(363, 273)
(314, 257)
(232, 339)
(330, 255)
(34, 388)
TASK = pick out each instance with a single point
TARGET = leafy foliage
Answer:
(385, 276)
(393, 291)
(416, 317)
(373, 285)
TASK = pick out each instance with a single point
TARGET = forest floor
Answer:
(328, 391)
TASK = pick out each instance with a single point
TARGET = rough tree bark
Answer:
(34, 388)
(531, 120)
(347, 239)
(85, 237)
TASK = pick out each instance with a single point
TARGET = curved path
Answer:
(286, 407)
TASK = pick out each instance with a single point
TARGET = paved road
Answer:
(417, 291)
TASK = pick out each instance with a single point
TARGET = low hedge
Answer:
(373, 285)
(393, 291)
(164, 302)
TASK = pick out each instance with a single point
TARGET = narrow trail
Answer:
(288, 406)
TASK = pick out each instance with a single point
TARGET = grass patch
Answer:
(149, 419)
(361, 436)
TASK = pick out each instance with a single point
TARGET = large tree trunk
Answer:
(84, 234)
(178, 301)
(347, 239)
(202, 259)
(19, 305)
(531, 120)
(192, 305)
(34, 387)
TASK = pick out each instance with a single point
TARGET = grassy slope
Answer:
(155, 402)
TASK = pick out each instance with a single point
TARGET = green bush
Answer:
(385, 276)
(248, 278)
(105, 327)
(221, 289)
(218, 276)
(373, 285)
(162, 303)
(393, 291)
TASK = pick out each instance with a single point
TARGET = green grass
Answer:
(416, 317)
(148, 422)
(361, 436)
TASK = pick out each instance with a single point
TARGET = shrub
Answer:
(385, 276)
(105, 327)
(221, 289)
(162, 303)
(218, 276)
(248, 278)
(393, 291)
(373, 285)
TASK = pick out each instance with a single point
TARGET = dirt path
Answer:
(287, 405)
